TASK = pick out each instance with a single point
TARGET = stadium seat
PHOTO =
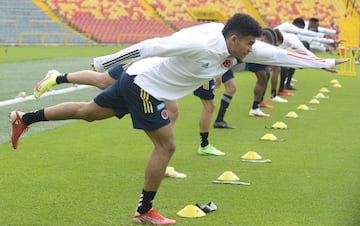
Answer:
(24, 22)
(177, 11)
(111, 21)
(279, 11)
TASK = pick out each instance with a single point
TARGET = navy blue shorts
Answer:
(124, 97)
(116, 71)
(227, 76)
(255, 67)
(206, 91)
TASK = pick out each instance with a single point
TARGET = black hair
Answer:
(299, 21)
(242, 25)
(306, 44)
(279, 36)
(314, 20)
(274, 36)
(270, 35)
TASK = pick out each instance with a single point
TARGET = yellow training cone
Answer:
(314, 101)
(337, 85)
(191, 211)
(279, 125)
(269, 136)
(251, 155)
(229, 176)
(320, 95)
(324, 90)
(292, 114)
(334, 81)
(303, 107)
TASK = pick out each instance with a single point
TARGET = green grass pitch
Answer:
(79, 173)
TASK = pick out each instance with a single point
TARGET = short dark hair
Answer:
(314, 20)
(279, 36)
(306, 44)
(270, 35)
(274, 36)
(299, 21)
(242, 25)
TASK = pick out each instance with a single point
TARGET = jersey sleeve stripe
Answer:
(121, 59)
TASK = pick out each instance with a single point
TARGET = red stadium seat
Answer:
(279, 11)
(107, 20)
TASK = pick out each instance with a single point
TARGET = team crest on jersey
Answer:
(164, 114)
(226, 64)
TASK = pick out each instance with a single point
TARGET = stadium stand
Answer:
(111, 21)
(22, 21)
(185, 13)
(131, 21)
(279, 11)
(329, 12)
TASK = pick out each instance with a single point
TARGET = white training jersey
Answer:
(292, 41)
(270, 55)
(290, 28)
(171, 67)
(322, 29)
(184, 61)
(310, 39)
(317, 47)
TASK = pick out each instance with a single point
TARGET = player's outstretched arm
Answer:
(341, 61)
(263, 53)
(337, 61)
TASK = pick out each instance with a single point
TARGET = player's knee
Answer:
(209, 106)
(103, 81)
(262, 81)
(169, 147)
(174, 114)
(88, 117)
(86, 113)
(102, 85)
(230, 89)
(172, 147)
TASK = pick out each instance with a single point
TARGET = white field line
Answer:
(17, 100)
